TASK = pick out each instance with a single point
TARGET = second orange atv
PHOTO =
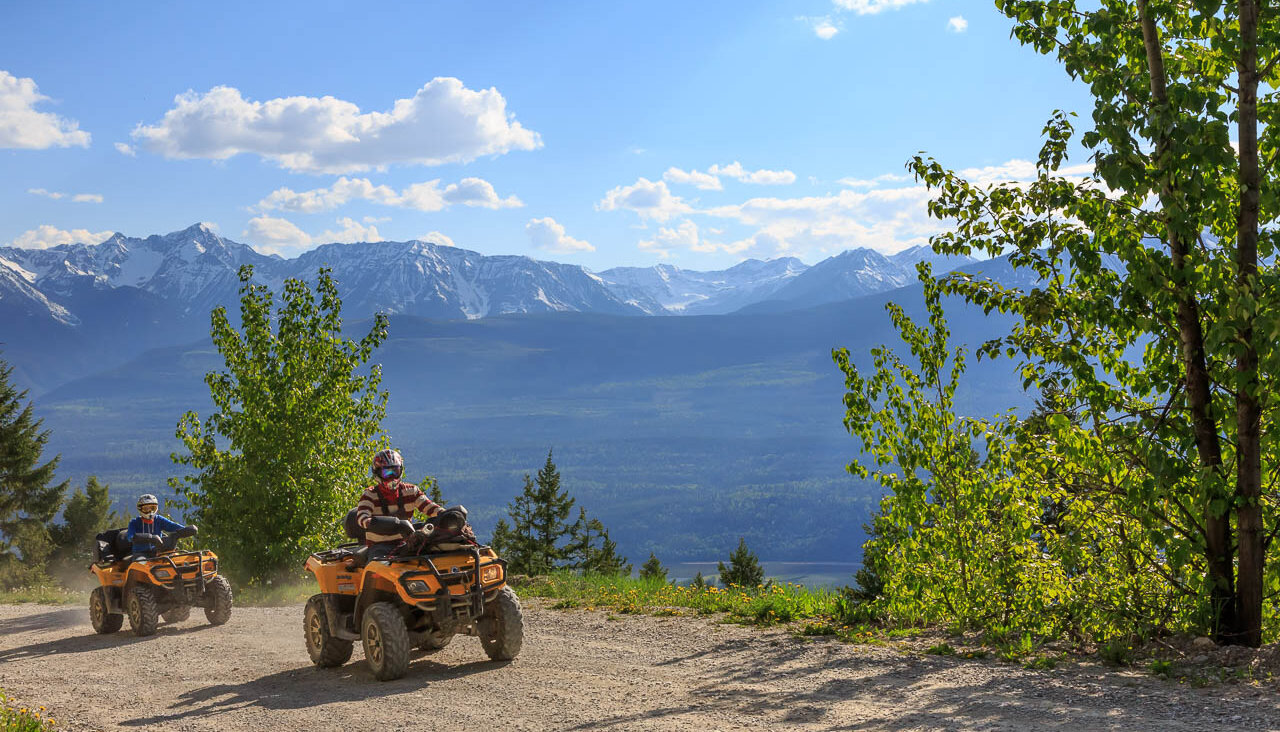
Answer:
(434, 585)
(148, 588)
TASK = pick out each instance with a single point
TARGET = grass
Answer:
(43, 595)
(14, 718)
(816, 611)
(274, 594)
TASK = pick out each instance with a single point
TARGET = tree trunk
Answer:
(1248, 408)
(1217, 528)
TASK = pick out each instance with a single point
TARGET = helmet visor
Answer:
(148, 509)
(390, 472)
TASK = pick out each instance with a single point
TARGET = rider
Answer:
(390, 496)
(144, 531)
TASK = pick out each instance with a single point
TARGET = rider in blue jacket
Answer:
(144, 531)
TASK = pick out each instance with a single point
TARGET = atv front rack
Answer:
(448, 606)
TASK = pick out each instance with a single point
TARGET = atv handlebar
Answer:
(390, 525)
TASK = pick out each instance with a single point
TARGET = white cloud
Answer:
(349, 231)
(824, 29)
(443, 122)
(46, 236)
(548, 234)
(704, 181)
(650, 199)
(958, 24)
(426, 196)
(125, 149)
(683, 236)
(873, 182)
(438, 238)
(758, 177)
(75, 197)
(276, 236)
(23, 128)
(871, 7)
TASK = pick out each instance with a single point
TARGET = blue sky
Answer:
(602, 134)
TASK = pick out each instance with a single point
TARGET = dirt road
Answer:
(578, 671)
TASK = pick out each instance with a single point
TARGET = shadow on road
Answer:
(307, 687)
(51, 620)
(88, 642)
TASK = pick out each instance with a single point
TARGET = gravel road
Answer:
(579, 670)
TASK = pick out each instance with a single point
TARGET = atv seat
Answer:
(112, 546)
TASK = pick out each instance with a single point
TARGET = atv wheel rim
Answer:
(314, 632)
(96, 611)
(374, 640)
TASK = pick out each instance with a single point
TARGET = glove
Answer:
(156, 539)
(406, 527)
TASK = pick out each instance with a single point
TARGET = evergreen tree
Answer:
(653, 570)
(592, 551)
(533, 543)
(699, 582)
(744, 568)
(28, 500)
(87, 513)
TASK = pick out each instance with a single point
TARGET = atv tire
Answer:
(217, 609)
(143, 612)
(104, 621)
(325, 650)
(386, 641)
(501, 628)
(176, 614)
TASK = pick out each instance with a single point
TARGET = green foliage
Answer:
(86, 514)
(540, 539)
(652, 569)
(744, 568)
(1136, 500)
(286, 451)
(16, 718)
(28, 497)
(941, 649)
(698, 582)
(1160, 667)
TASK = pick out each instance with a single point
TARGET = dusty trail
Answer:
(578, 671)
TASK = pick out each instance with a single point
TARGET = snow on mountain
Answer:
(688, 292)
(941, 263)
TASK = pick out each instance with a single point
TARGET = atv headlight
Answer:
(163, 573)
(491, 574)
(417, 587)
(210, 567)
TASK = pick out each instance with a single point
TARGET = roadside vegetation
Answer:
(16, 718)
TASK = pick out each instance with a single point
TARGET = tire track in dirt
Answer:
(578, 671)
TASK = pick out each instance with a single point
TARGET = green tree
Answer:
(286, 451)
(591, 551)
(28, 497)
(536, 540)
(652, 569)
(698, 582)
(744, 568)
(1156, 254)
(87, 513)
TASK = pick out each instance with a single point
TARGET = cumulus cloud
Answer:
(758, 177)
(824, 29)
(650, 199)
(23, 128)
(437, 238)
(427, 196)
(958, 24)
(871, 7)
(46, 236)
(704, 181)
(420, 196)
(683, 236)
(76, 197)
(873, 182)
(349, 231)
(273, 235)
(443, 122)
(549, 235)
(126, 149)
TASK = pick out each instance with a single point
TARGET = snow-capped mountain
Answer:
(665, 289)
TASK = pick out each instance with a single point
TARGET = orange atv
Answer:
(147, 588)
(436, 583)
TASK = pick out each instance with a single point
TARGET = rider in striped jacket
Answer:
(390, 496)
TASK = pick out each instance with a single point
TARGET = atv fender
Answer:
(338, 620)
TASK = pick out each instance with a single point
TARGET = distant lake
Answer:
(809, 574)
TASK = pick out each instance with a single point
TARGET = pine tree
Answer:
(592, 551)
(744, 568)
(699, 582)
(27, 500)
(87, 513)
(653, 570)
(532, 542)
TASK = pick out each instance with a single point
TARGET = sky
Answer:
(601, 134)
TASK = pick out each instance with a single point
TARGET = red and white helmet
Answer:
(388, 465)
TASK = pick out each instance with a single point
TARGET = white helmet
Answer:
(145, 500)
